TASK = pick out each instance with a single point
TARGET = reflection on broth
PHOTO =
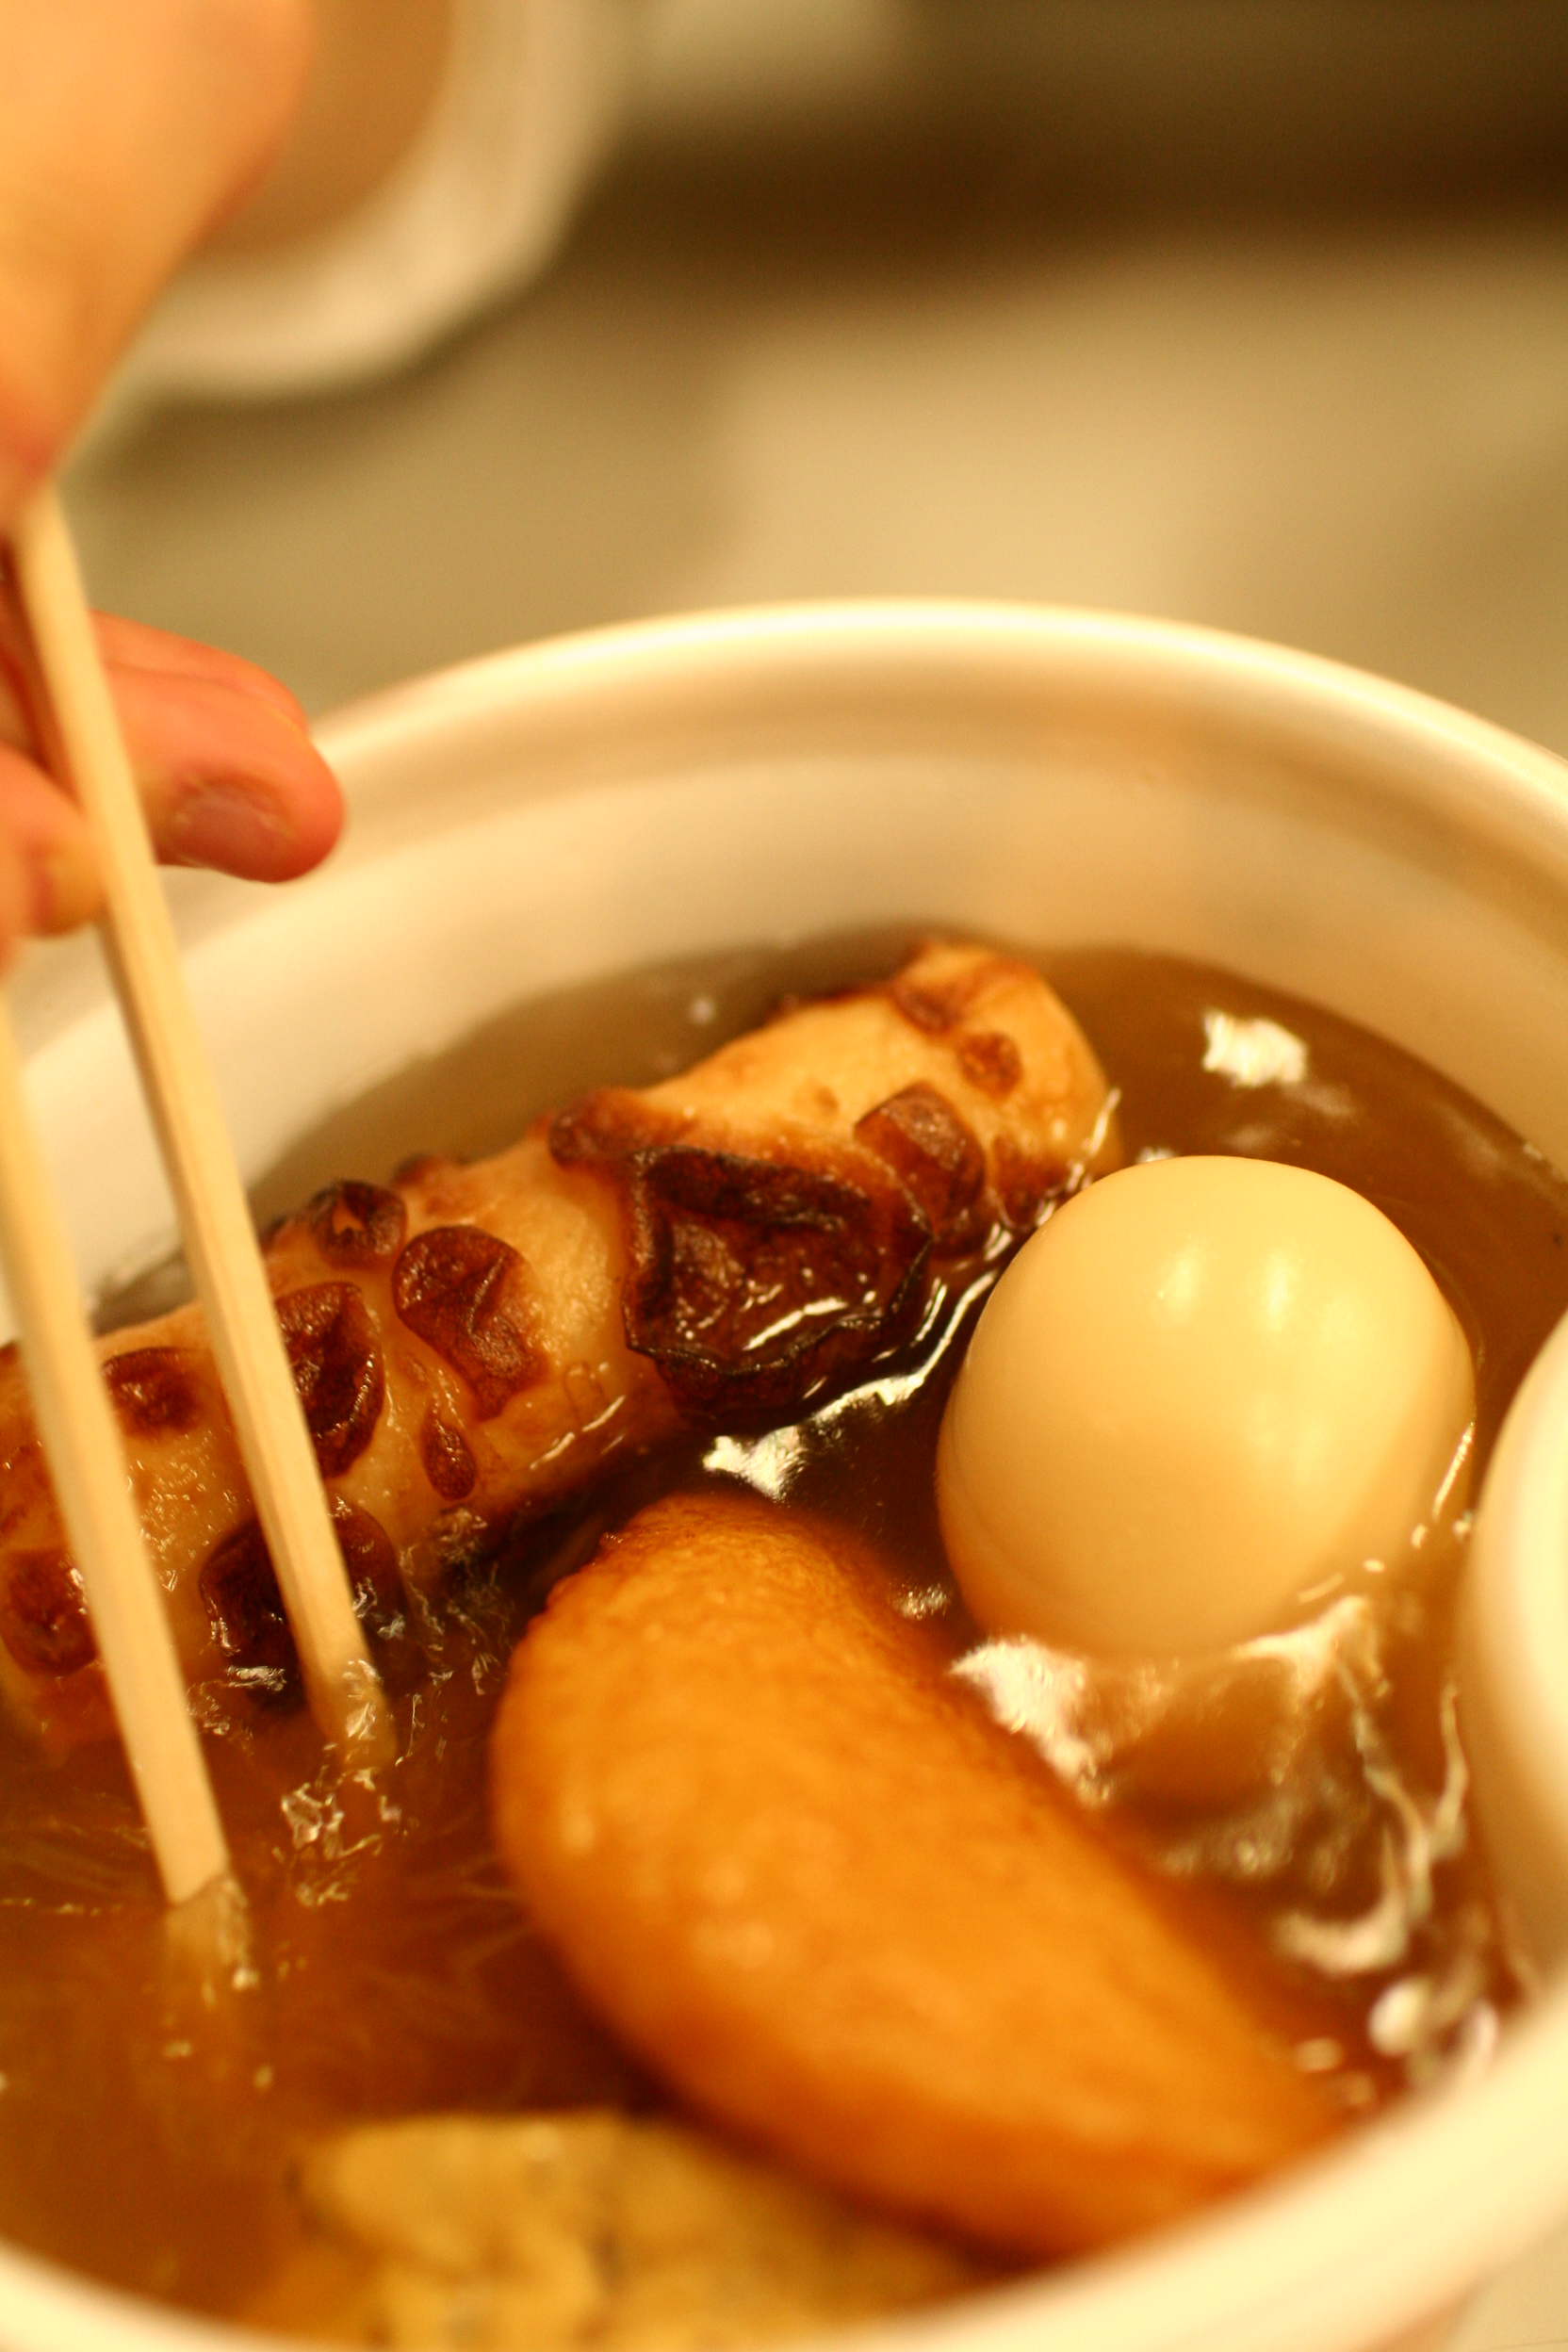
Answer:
(1304, 1793)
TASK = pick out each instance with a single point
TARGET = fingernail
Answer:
(229, 825)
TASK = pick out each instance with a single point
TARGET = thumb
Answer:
(125, 133)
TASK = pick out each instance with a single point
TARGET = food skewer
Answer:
(83, 741)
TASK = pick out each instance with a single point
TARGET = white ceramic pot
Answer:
(582, 807)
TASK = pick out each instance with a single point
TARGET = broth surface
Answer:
(148, 2123)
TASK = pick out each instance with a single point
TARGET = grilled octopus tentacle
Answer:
(472, 1343)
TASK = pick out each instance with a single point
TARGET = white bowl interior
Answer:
(1059, 778)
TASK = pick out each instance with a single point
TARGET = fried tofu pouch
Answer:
(789, 1859)
(473, 1344)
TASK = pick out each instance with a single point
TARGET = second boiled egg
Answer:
(1204, 1388)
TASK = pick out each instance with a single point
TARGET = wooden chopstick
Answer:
(87, 1463)
(345, 1694)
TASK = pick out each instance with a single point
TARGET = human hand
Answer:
(125, 134)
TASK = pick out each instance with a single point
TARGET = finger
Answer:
(227, 779)
(229, 776)
(16, 901)
(125, 133)
(132, 645)
(51, 874)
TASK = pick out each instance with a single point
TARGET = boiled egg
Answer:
(1205, 1390)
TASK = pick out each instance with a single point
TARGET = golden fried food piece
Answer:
(632, 2233)
(787, 1857)
(473, 1344)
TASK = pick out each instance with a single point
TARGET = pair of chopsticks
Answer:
(83, 745)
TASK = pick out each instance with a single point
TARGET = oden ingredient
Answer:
(838, 1909)
(474, 1344)
(495, 2233)
(1209, 1391)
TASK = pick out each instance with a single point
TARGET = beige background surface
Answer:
(1251, 312)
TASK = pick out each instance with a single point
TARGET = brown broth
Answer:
(146, 2133)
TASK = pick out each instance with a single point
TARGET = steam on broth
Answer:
(153, 2141)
